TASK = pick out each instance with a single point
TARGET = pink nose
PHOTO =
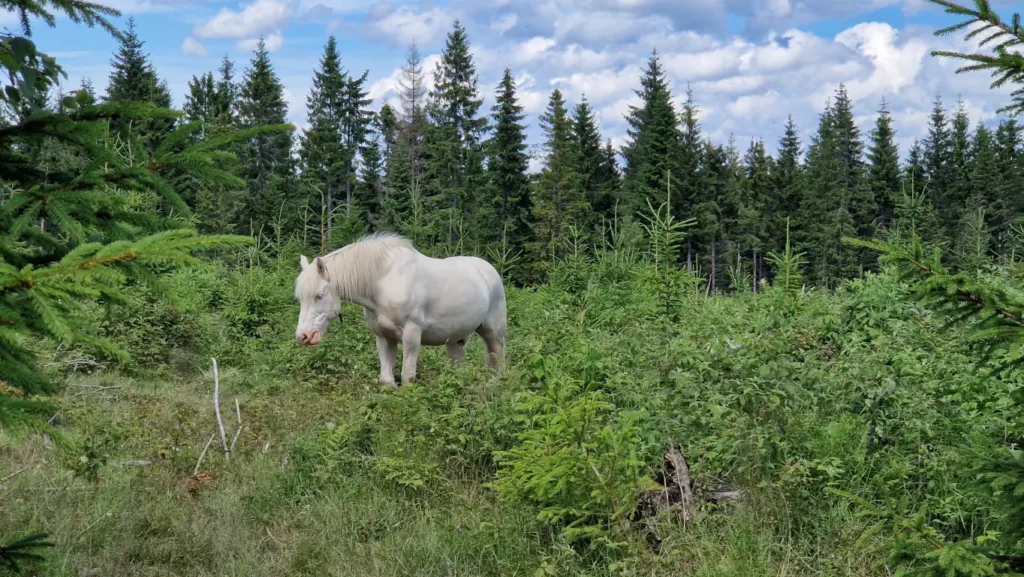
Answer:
(309, 337)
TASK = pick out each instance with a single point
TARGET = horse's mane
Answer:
(353, 268)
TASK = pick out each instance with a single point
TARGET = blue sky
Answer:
(750, 63)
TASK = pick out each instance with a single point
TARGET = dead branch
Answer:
(235, 440)
(203, 454)
(681, 480)
(11, 476)
(216, 407)
(77, 363)
(135, 463)
(96, 387)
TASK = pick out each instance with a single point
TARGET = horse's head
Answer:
(318, 304)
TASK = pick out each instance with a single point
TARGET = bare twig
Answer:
(97, 387)
(75, 364)
(238, 412)
(235, 440)
(11, 476)
(135, 463)
(203, 454)
(216, 407)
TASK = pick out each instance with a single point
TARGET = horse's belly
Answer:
(440, 335)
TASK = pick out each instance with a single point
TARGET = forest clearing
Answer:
(714, 364)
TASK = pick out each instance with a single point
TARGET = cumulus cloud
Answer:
(192, 47)
(272, 43)
(404, 24)
(255, 18)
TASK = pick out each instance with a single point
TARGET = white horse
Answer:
(408, 298)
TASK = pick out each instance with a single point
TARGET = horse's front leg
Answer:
(388, 351)
(410, 351)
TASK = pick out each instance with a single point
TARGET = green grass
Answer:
(252, 517)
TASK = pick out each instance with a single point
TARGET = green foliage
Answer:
(580, 461)
(788, 267)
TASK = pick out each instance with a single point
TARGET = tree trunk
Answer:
(714, 265)
(755, 270)
(330, 211)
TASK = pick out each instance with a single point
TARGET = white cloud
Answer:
(895, 67)
(405, 24)
(272, 43)
(504, 23)
(258, 17)
(748, 105)
(532, 49)
(192, 47)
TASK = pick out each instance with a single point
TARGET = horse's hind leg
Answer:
(456, 349)
(494, 341)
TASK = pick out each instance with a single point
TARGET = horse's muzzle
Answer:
(312, 337)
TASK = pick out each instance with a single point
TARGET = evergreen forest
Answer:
(799, 357)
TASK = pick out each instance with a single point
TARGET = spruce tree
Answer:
(788, 177)
(654, 147)
(915, 212)
(356, 120)
(266, 164)
(370, 189)
(718, 215)
(201, 99)
(226, 94)
(688, 187)
(559, 202)
(825, 214)
(606, 205)
(937, 151)
(984, 181)
(855, 190)
(751, 233)
(454, 178)
(1010, 159)
(958, 192)
(506, 168)
(132, 78)
(590, 156)
(884, 166)
(213, 102)
(321, 150)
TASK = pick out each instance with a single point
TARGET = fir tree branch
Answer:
(1004, 66)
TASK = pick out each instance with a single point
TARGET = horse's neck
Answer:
(356, 278)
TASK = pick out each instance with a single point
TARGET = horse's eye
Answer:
(318, 297)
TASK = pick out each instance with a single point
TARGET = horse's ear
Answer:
(304, 262)
(320, 266)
